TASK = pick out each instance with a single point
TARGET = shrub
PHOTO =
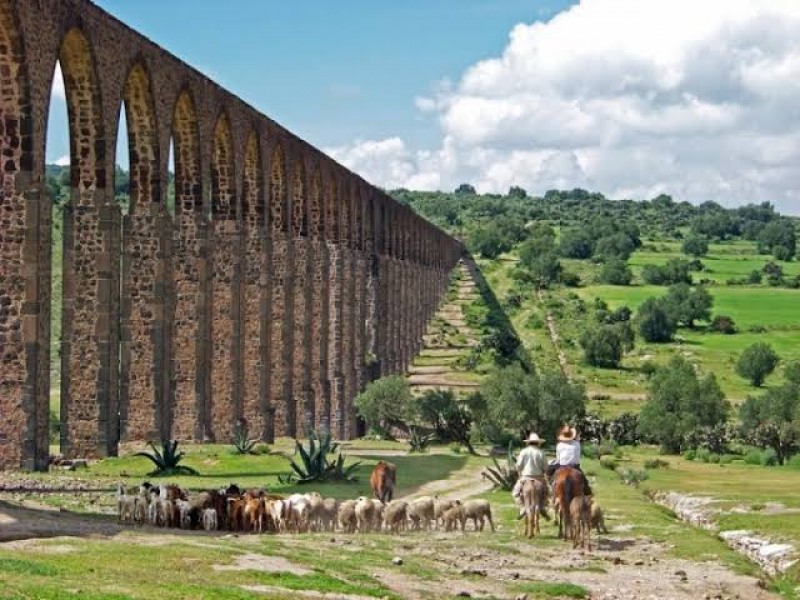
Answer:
(656, 463)
(624, 429)
(723, 324)
(769, 458)
(242, 444)
(590, 451)
(703, 454)
(609, 463)
(385, 403)
(714, 458)
(694, 245)
(757, 362)
(753, 457)
(418, 441)
(656, 325)
(602, 347)
(503, 476)
(632, 476)
(794, 462)
(609, 447)
(534, 321)
(690, 454)
(570, 279)
(314, 464)
(616, 272)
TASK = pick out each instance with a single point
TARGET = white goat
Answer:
(210, 519)
(126, 505)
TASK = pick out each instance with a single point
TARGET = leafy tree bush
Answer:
(723, 324)
(757, 362)
(385, 403)
(679, 402)
(618, 246)
(755, 278)
(655, 321)
(449, 417)
(674, 271)
(490, 241)
(772, 420)
(695, 245)
(687, 305)
(466, 189)
(576, 243)
(514, 399)
(570, 279)
(517, 192)
(779, 233)
(602, 347)
(616, 272)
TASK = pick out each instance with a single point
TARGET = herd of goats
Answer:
(258, 511)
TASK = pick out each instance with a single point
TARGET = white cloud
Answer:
(63, 161)
(631, 98)
(58, 90)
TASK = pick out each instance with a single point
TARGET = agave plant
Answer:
(167, 461)
(242, 444)
(503, 476)
(314, 464)
(418, 441)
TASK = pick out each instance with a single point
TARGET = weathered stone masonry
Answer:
(281, 285)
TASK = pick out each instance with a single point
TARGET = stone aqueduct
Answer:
(281, 284)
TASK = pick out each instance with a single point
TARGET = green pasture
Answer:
(138, 564)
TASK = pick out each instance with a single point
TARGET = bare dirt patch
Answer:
(265, 564)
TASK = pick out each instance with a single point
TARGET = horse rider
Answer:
(531, 464)
(568, 454)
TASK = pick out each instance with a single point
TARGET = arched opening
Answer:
(225, 399)
(186, 353)
(254, 297)
(87, 428)
(57, 177)
(142, 405)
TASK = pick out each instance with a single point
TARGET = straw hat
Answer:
(567, 434)
(533, 439)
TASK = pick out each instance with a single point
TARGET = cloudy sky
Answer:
(697, 99)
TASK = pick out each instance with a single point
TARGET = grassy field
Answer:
(762, 314)
(145, 562)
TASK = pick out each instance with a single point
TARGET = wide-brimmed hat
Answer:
(567, 433)
(533, 439)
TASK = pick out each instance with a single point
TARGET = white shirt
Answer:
(530, 463)
(568, 453)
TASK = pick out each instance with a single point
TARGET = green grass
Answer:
(547, 589)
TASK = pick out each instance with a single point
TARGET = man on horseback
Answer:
(568, 454)
(531, 464)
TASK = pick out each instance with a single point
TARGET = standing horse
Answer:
(382, 481)
(534, 496)
(567, 484)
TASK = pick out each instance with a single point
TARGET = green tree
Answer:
(655, 322)
(466, 189)
(779, 233)
(385, 403)
(695, 245)
(618, 246)
(450, 417)
(538, 257)
(517, 192)
(602, 346)
(757, 362)
(489, 241)
(680, 402)
(772, 420)
(687, 305)
(616, 272)
(576, 243)
(674, 271)
(515, 400)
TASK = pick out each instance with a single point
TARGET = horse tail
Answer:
(567, 492)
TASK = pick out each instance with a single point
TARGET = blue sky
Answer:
(700, 100)
(330, 71)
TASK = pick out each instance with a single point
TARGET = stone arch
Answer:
(299, 199)
(331, 228)
(89, 422)
(225, 401)
(279, 334)
(300, 294)
(185, 357)
(277, 195)
(23, 237)
(253, 347)
(143, 407)
(223, 205)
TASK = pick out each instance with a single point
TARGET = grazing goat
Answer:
(254, 512)
(580, 514)
(453, 517)
(166, 512)
(395, 516)
(328, 514)
(439, 508)
(365, 514)
(210, 519)
(598, 518)
(479, 511)
(183, 507)
(421, 512)
(126, 506)
(347, 516)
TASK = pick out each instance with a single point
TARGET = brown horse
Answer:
(534, 496)
(382, 481)
(567, 484)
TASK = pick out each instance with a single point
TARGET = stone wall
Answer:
(279, 286)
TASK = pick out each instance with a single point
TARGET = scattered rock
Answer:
(478, 572)
(522, 597)
(463, 595)
(638, 563)
(397, 561)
